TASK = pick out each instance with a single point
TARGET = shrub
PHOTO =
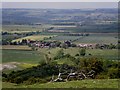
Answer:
(77, 55)
(101, 76)
(113, 73)
(82, 52)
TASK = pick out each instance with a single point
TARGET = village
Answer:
(66, 44)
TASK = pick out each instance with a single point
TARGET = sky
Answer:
(60, 5)
(60, 0)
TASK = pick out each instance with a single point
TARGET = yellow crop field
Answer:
(34, 37)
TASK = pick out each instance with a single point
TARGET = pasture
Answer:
(90, 83)
(93, 38)
(64, 38)
(102, 38)
(24, 56)
(105, 53)
(13, 53)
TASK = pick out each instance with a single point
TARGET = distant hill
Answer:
(105, 19)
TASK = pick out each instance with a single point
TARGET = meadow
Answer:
(105, 53)
(93, 38)
(102, 38)
(88, 83)
(24, 56)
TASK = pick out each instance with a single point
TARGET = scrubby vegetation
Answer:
(43, 73)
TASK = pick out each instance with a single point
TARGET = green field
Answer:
(99, 38)
(21, 28)
(105, 53)
(28, 56)
(64, 38)
(21, 56)
(102, 38)
(98, 83)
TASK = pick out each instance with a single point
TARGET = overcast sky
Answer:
(60, 5)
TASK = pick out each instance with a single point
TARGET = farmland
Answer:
(21, 56)
(26, 55)
(64, 38)
(39, 45)
(21, 28)
(103, 38)
(35, 37)
(99, 38)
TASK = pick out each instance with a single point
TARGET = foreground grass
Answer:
(98, 83)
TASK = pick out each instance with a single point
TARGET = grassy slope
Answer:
(35, 57)
(103, 83)
(107, 53)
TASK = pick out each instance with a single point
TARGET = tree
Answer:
(82, 52)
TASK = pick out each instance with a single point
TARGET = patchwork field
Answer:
(102, 38)
(13, 53)
(38, 65)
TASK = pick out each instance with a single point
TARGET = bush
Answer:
(113, 73)
(92, 63)
(77, 55)
(33, 80)
(82, 52)
(100, 76)
(18, 80)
